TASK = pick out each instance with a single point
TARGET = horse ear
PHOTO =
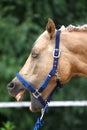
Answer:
(50, 27)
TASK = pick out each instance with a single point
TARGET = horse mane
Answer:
(74, 28)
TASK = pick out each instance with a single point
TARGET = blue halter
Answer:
(37, 92)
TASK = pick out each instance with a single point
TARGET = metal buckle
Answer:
(36, 94)
(58, 51)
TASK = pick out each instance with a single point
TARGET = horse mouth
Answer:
(19, 96)
(32, 106)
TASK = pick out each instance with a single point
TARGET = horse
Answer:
(71, 62)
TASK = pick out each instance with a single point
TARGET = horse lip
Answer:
(32, 110)
(19, 96)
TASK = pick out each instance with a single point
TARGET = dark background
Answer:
(21, 22)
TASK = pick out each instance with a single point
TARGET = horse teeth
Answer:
(18, 98)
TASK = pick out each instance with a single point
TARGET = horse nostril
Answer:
(11, 85)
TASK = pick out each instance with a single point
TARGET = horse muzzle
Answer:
(16, 90)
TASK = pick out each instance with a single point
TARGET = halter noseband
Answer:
(37, 92)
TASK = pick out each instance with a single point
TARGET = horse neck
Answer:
(74, 46)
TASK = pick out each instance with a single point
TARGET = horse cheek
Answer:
(65, 71)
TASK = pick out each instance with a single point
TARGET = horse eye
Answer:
(34, 54)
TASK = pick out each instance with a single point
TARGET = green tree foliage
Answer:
(8, 126)
(21, 22)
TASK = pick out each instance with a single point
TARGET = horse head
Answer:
(72, 61)
(36, 68)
